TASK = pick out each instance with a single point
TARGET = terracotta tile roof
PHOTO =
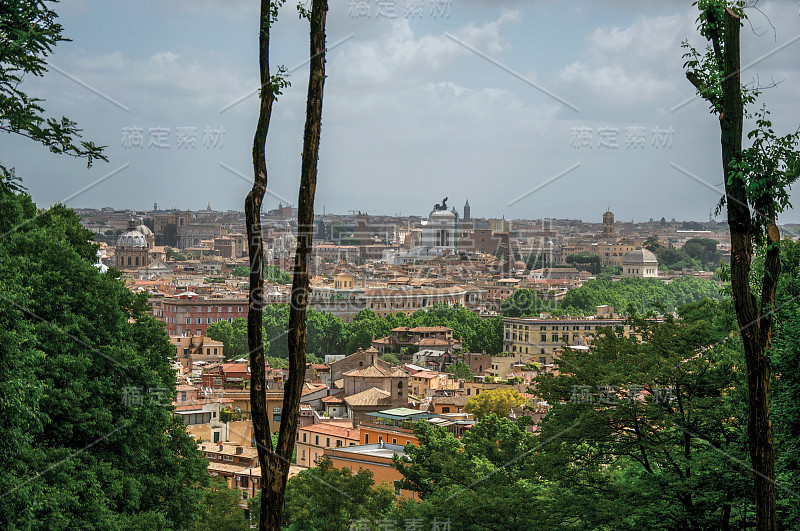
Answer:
(430, 329)
(335, 430)
(333, 400)
(370, 397)
(375, 371)
(457, 400)
(433, 341)
(228, 449)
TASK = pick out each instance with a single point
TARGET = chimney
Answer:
(239, 450)
(221, 447)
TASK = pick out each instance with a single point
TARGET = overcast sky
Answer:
(515, 105)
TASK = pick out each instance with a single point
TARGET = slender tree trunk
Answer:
(755, 324)
(273, 486)
(255, 246)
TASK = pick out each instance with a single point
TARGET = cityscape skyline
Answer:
(539, 109)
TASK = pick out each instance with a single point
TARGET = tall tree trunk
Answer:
(755, 323)
(255, 247)
(276, 471)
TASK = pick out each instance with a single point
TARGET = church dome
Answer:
(132, 237)
(144, 229)
(640, 256)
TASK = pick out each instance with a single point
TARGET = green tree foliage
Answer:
(643, 294)
(704, 250)
(673, 259)
(659, 423)
(28, 33)
(221, 509)
(652, 244)
(328, 498)
(271, 274)
(88, 437)
(523, 303)
(785, 359)
(500, 402)
(172, 254)
(486, 483)
(233, 336)
(585, 261)
(460, 370)
(390, 359)
(328, 334)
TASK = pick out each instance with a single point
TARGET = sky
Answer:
(528, 109)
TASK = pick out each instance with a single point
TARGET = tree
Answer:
(500, 402)
(221, 509)
(328, 498)
(655, 420)
(274, 461)
(87, 432)
(590, 261)
(522, 303)
(704, 250)
(391, 359)
(233, 336)
(652, 244)
(485, 483)
(29, 32)
(756, 178)
(460, 370)
(269, 461)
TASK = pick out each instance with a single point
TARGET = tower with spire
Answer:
(466, 211)
(608, 224)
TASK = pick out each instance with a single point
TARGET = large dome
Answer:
(132, 237)
(640, 256)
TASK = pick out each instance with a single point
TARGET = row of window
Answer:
(199, 320)
(209, 309)
(555, 327)
(410, 304)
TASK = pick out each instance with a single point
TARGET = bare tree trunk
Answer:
(276, 471)
(755, 323)
(255, 246)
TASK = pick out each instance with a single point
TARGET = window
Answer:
(316, 440)
(446, 409)
(209, 320)
(303, 455)
(304, 437)
(216, 436)
(240, 309)
(276, 414)
(327, 442)
(188, 320)
(366, 438)
(338, 444)
(199, 320)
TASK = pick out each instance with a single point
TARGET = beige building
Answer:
(312, 441)
(541, 338)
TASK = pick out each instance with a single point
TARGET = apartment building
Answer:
(542, 337)
(313, 440)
